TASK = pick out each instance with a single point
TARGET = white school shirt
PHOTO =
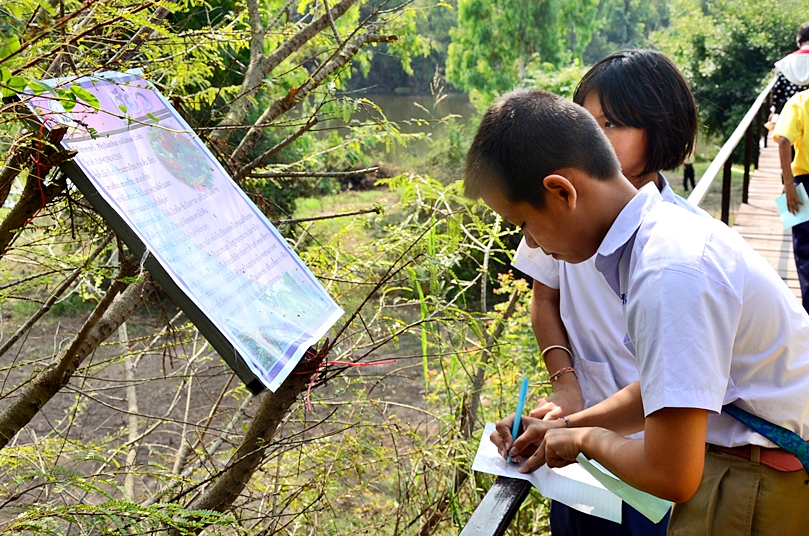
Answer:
(592, 315)
(710, 320)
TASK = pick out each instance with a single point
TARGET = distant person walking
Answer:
(792, 73)
(688, 171)
(792, 131)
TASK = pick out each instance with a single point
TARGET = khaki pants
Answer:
(742, 497)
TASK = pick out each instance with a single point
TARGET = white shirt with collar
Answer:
(711, 322)
(592, 315)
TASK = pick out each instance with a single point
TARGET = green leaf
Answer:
(85, 95)
(153, 117)
(69, 102)
(38, 87)
(122, 108)
(9, 46)
(5, 77)
(45, 5)
(17, 83)
(15, 8)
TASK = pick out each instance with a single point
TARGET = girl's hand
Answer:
(560, 404)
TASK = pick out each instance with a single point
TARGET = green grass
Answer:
(341, 203)
(713, 199)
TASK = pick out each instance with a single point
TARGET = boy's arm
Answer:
(621, 413)
(785, 154)
(550, 331)
(668, 462)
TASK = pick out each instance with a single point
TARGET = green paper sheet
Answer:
(650, 506)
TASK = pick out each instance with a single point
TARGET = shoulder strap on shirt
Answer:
(786, 439)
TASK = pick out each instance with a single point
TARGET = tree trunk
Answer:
(132, 407)
(272, 409)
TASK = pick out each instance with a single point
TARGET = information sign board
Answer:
(162, 190)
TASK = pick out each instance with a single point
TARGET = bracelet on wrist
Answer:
(557, 347)
(562, 371)
(567, 421)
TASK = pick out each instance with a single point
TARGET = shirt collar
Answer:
(623, 229)
(665, 189)
(629, 219)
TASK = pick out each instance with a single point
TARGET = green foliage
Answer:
(422, 283)
(409, 64)
(117, 517)
(562, 81)
(30, 468)
(625, 24)
(72, 304)
(497, 43)
(727, 49)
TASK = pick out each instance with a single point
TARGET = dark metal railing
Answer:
(498, 507)
(503, 500)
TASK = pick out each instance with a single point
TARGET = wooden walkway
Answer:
(758, 221)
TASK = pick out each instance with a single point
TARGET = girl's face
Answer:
(629, 143)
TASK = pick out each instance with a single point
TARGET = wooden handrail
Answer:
(503, 500)
(498, 507)
(724, 158)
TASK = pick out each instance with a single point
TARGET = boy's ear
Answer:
(560, 188)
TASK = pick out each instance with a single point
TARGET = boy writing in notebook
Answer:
(709, 321)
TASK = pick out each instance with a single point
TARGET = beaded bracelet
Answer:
(562, 371)
(557, 347)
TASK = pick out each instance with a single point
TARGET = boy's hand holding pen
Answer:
(515, 427)
(518, 436)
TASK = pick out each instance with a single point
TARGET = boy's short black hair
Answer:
(644, 89)
(526, 136)
(803, 33)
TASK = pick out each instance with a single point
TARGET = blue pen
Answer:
(515, 428)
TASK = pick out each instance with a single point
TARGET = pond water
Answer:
(414, 114)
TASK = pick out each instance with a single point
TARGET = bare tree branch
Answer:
(314, 174)
(278, 17)
(50, 380)
(375, 210)
(53, 297)
(297, 94)
(274, 150)
(13, 165)
(210, 451)
(261, 65)
(331, 23)
(270, 412)
(132, 407)
(126, 52)
(35, 195)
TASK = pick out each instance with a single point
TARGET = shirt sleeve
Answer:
(790, 122)
(536, 264)
(683, 325)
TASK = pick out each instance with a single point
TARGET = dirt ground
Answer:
(394, 388)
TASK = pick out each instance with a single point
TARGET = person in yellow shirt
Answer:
(792, 130)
